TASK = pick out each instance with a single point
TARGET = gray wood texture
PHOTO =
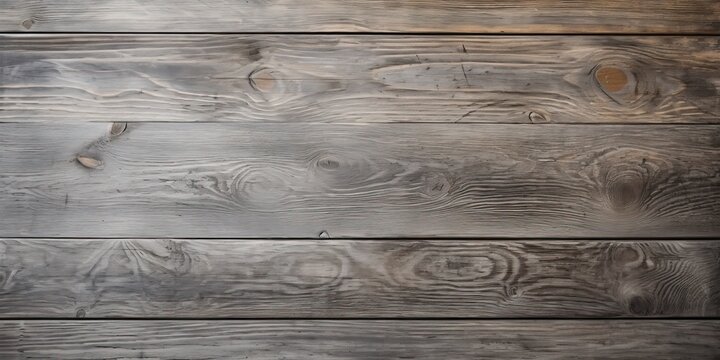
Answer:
(469, 16)
(357, 278)
(354, 339)
(206, 180)
(342, 79)
(447, 190)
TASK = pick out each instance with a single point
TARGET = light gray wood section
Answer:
(357, 278)
(345, 79)
(473, 16)
(373, 180)
(268, 339)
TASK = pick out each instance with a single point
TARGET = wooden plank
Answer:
(341, 79)
(359, 278)
(354, 339)
(472, 16)
(372, 180)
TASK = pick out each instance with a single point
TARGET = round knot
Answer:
(435, 186)
(262, 80)
(611, 79)
(625, 81)
(625, 190)
(640, 306)
(263, 186)
(627, 178)
(328, 163)
(625, 255)
(27, 24)
(80, 313)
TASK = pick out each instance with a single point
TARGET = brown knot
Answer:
(611, 79)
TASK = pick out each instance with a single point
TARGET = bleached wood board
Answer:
(469, 16)
(358, 339)
(152, 278)
(358, 79)
(352, 181)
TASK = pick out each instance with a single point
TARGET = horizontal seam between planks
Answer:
(361, 123)
(361, 33)
(369, 319)
(426, 238)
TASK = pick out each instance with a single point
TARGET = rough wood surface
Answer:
(374, 180)
(359, 278)
(275, 121)
(340, 79)
(353, 339)
(470, 16)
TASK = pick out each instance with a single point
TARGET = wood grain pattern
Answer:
(342, 79)
(268, 339)
(371, 180)
(308, 152)
(470, 16)
(359, 278)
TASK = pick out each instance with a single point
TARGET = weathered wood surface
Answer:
(449, 79)
(469, 16)
(354, 339)
(373, 180)
(359, 278)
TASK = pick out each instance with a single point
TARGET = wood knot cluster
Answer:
(437, 267)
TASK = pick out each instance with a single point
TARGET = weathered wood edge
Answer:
(358, 339)
(469, 16)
